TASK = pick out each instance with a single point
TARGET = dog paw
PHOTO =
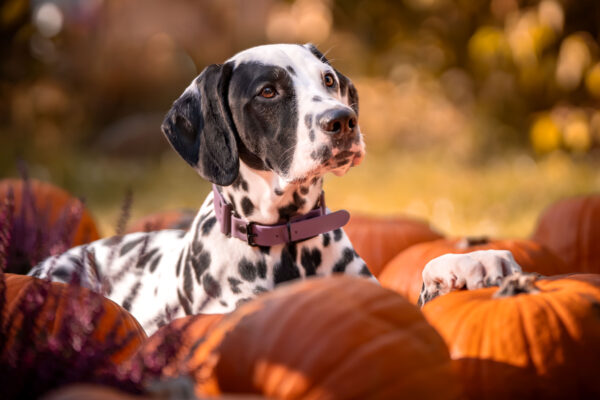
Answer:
(473, 270)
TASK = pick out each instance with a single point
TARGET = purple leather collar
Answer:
(298, 228)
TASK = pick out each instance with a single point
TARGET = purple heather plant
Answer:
(34, 362)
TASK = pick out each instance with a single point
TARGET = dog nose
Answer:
(338, 121)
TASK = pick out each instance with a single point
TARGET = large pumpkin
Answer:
(378, 239)
(173, 219)
(404, 273)
(571, 228)
(525, 340)
(56, 307)
(44, 221)
(324, 338)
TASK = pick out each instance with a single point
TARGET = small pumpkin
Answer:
(527, 340)
(404, 273)
(114, 320)
(571, 229)
(173, 219)
(323, 338)
(378, 239)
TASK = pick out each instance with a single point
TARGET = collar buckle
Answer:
(250, 234)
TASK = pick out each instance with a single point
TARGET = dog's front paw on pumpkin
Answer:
(473, 270)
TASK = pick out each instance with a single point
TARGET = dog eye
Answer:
(329, 80)
(268, 92)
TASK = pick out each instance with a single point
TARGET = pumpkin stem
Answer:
(518, 283)
(469, 241)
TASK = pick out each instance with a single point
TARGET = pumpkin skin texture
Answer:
(378, 239)
(180, 338)
(404, 274)
(17, 286)
(52, 202)
(173, 219)
(326, 338)
(571, 229)
(541, 343)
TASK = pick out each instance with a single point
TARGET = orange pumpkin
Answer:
(571, 229)
(525, 340)
(404, 273)
(113, 315)
(378, 239)
(322, 338)
(174, 219)
(53, 204)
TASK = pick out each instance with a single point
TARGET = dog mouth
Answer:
(335, 161)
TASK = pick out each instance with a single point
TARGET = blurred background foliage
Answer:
(476, 113)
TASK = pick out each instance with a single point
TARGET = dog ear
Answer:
(346, 86)
(200, 128)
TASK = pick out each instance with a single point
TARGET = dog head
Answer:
(280, 108)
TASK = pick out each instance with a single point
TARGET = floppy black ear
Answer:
(346, 86)
(200, 128)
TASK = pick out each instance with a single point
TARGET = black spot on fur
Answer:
(265, 249)
(290, 70)
(208, 225)
(286, 269)
(241, 301)
(113, 240)
(298, 201)
(337, 234)
(187, 308)
(211, 286)
(62, 274)
(278, 192)
(188, 284)
(127, 247)
(365, 271)
(261, 268)
(314, 180)
(247, 270)
(258, 290)
(240, 182)
(181, 234)
(223, 303)
(310, 260)
(326, 239)
(154, 263)
(145, 258)
(131, 296)
(200, 264)
(197, 245)
(308, 120)
(304, 190)
(179, 261)
(347, 257)
(317, 99)
(311, 135)
(323, 153)
(247, 206)
(234, 283)
(286, 212)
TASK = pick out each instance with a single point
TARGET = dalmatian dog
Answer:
(264, 127)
